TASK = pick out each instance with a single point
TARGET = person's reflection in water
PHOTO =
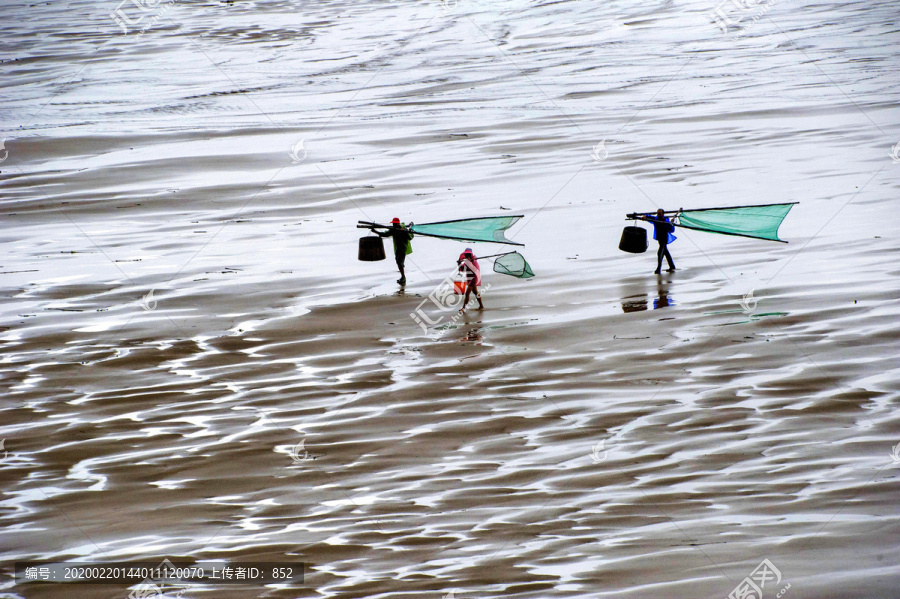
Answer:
(663, 300)
(472, 335)
(638, 302)
(472, 329)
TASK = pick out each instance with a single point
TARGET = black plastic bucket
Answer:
(634, 240)
(371, 248)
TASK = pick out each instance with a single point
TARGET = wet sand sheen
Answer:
(466, 458)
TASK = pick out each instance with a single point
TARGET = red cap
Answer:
(396, 221)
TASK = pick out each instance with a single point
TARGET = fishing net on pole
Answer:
(760, 222)
(490, 228)
(514, 265)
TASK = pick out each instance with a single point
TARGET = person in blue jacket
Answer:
(662, 233)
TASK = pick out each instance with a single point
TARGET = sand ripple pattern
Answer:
(195, 365)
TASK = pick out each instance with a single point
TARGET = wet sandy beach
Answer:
(195, 365)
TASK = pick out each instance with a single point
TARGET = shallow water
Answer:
(182, 305)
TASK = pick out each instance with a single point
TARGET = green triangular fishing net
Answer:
(760, 222)
(490, 228)
(514, 265)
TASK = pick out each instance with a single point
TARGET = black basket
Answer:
(371, 248)
(634, 240)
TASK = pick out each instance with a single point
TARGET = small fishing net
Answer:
(514, 265)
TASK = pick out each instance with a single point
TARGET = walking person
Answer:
(468, 265)
(662, 233)
(402, 246)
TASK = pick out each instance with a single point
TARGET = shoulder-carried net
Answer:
(489, 229)
(759, 222)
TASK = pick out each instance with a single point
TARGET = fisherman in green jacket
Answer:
(402, 246)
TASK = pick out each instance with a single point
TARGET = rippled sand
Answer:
(182, 305)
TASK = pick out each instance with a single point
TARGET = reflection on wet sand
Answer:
(472, 333)
(638, 302)
(663, 299)
(634, 303)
